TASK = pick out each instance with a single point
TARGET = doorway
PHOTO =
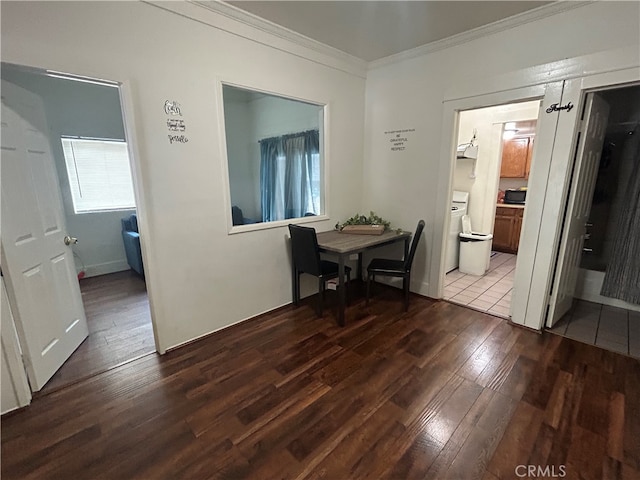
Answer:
(89, 150)
(504, 136)
(600, 315)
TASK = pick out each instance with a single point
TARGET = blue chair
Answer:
(131, 239)
(238, 217)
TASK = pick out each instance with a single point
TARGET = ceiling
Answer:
(371, 30)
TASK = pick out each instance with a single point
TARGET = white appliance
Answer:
(459, 204)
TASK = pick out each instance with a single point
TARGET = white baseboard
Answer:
(105, 268)
(588, 288)
(421, 288)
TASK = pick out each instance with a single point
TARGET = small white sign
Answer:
(398, 139)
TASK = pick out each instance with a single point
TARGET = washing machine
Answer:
(459, 204)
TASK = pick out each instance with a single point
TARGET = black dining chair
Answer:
(396, 268)
(306, 259)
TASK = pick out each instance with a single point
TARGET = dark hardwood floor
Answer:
(117, 309)
(440, 392)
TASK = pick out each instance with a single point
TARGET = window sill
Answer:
(252, 227)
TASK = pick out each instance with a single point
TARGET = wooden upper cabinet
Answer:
(516, 158)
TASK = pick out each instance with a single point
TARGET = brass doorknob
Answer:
(70, 240)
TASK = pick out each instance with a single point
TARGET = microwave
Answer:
(515, 196)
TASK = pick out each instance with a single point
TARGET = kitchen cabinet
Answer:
(506, 228)
(516, 157)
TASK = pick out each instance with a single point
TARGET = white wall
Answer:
(200, 278)
(243, 178)
(88, 110)
(483, 189)
(410, 94)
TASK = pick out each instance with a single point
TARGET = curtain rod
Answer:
(289, 134)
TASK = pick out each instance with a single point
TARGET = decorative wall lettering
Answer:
(176, 125)
(398, 139)
(555, 107)
(177, 139)
(172, 108)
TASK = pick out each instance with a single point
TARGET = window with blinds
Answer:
(99, 174)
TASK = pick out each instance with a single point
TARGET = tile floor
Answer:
(608, 327)
(489, 293)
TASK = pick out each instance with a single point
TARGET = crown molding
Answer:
(235, 21)
(483, 31)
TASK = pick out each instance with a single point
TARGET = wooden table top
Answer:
(338, 242)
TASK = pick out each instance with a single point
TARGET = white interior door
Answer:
(594, 126)
(41, 274)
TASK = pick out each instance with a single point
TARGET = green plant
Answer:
(358, 219)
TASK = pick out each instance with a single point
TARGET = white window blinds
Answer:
(99, 174)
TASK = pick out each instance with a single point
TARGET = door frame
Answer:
(590, 85)
(546, 128)
(579, 75)
(128, 119)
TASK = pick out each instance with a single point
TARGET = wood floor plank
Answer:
(438, 392)
(117, 310)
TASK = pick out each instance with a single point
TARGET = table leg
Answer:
(360, 266)
(341, 292)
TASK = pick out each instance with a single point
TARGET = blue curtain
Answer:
(288, 166)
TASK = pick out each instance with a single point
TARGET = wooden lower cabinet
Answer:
(506, 229)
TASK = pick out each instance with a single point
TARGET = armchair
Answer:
(131, 239)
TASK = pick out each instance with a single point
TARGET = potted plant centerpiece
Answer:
(361, 224)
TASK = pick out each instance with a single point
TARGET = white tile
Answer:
(583, 332)
(561, 327)
(504, 303)
(613, 346)
(475, 289)
(501, 288)
(614, 328)
(493, 294)
(481, 304)
(452, 288)
(464, 299)
(590, 321)
(499, 310)
(496, 292)
(634, 339)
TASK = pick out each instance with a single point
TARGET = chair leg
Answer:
(296, 288)
(405, 285)
(320, 295)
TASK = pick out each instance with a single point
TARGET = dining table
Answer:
(342, 245)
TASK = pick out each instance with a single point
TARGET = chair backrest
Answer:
(414, 246)
(130, 223)
(236, 215)
(304, 249)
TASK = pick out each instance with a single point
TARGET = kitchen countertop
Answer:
(511, 205)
